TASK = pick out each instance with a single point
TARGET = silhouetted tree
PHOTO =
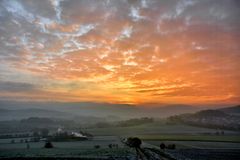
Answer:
(162, 146)
(135, 142)
(48, 144)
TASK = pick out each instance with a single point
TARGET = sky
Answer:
(120, 51)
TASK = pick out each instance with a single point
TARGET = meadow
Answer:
(155, 128)
(72, 149)
(186, 138)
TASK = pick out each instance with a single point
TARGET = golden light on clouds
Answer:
(128, 51)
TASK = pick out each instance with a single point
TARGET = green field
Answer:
(151, 129)
(152, 135)
(77, 148)
(103, 141)
(61, 152)
(182, 135)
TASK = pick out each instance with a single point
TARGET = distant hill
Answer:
(38, 120)
(104, 110)
(210, 113)
(235, 110)
(17, 114)
(218, 119)
(165, 111)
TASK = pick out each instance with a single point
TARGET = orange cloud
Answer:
(124, 52)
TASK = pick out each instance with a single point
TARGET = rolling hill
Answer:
(224, 118)
(235, 110)
(70, 109)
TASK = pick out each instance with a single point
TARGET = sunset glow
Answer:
(120, 51)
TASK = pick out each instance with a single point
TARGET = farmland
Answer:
(77, 148)
(190, 142)
(186, 138)
(155, 128)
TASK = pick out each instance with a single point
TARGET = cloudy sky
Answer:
(120, 51)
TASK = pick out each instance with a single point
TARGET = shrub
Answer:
(48, 144)
(162, 146)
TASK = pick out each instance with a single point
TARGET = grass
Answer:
(57, 152)
(103, 141)
(153, 134)
(72, 149)
(147, 129)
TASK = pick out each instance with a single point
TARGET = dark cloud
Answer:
(16, 87)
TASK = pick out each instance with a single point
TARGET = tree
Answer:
(162, 146)
(48, 144)
(135, 142)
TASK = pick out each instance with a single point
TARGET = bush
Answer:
(162, 146)
(48, 145)
(134, 142)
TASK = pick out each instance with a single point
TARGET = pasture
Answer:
(155, 128)
(75, 148)
(184, 137)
